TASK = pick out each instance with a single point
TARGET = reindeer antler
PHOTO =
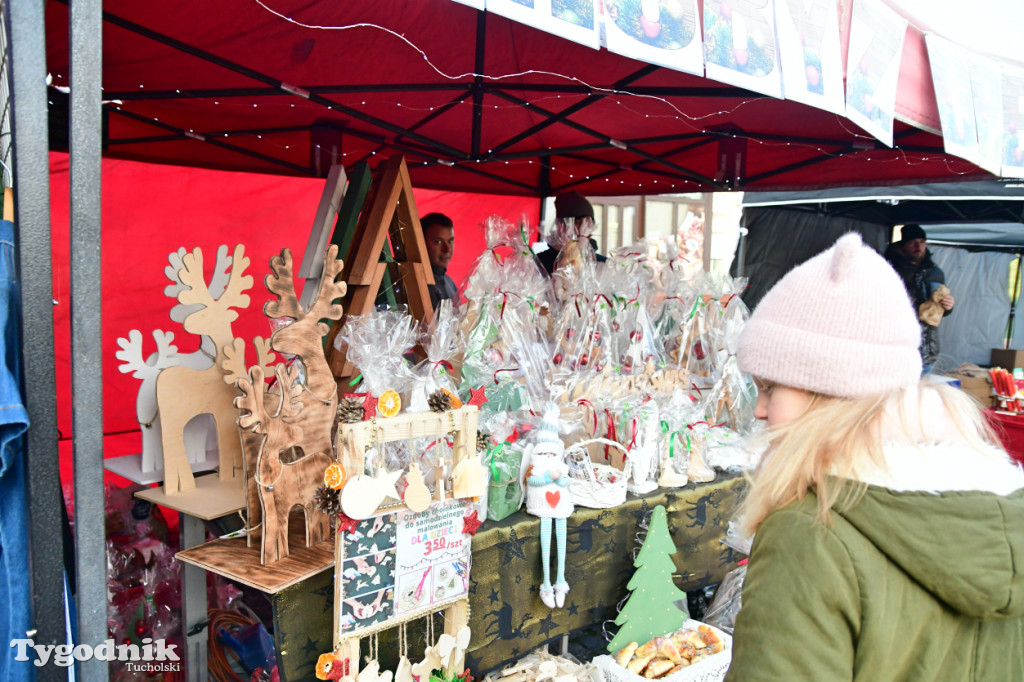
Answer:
(251, 412)
(131, 354)
(197, 292)
(330, 289)
(234, 366)
(281, 284)
(218, 282)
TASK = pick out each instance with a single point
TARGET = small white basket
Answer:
(586, 486)
(711, 669)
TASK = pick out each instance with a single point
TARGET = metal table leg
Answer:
(193, 601)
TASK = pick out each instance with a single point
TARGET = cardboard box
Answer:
(978, 387)
(1007, 359)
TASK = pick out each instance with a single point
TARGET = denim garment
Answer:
(15, 612)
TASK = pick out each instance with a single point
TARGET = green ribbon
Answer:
(493, 451)
(693, 310)
(356, 380)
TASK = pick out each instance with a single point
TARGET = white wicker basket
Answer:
(711, 669)
(586, 487)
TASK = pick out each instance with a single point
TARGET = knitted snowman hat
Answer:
(840, 324)
(548, 440)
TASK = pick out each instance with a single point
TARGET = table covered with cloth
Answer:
(507, 616)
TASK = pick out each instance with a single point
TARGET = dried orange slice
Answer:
(334, 476)
(455, 402)
(389, 403)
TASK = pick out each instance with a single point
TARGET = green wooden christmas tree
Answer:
(650, 610)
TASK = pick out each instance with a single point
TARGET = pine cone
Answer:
(327, 500)
(350, 410)
(483, 441)
(439, 401)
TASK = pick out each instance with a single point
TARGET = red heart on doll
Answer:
(553, 497)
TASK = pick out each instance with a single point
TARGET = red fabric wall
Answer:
(150, 210)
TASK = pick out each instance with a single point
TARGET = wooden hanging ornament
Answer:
(417, 494)
(363, 494)
(469, 478)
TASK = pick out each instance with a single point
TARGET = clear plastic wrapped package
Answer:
(727, 600)
(440, 341)
(376, 343)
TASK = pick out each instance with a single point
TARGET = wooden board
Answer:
(130, 466)
(211, 498)
(232, 559)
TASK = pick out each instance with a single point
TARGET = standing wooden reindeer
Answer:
(282, 486)
(300, 337)
(183, 392)
(303, 338)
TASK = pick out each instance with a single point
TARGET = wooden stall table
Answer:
(1010, 429)
(506, 614)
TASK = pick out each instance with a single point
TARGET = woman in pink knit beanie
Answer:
(889, 526)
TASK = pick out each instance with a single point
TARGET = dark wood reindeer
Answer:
(300, 337)
(282, 486)
(303, 338)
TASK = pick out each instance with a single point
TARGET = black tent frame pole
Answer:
(25, 22)
(86, 143)
(478, 83)
(1014, 296)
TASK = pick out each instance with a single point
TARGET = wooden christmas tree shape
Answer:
(282, 486)
(183, 392)
(389, 217)
(650, 612)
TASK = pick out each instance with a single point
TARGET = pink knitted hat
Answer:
(840, 324)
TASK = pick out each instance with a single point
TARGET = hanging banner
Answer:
(1013, 124)
(873, 67)
(574, 20)
(403, 563)
(812, 66)
(739, 44)
(951, 77)
(987, 95)
(433, 556)
(665, 32)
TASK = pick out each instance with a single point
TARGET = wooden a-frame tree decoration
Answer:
(388, 217)
(650, 610)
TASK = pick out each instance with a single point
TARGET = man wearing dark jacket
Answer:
(439, 235)
(912, 261)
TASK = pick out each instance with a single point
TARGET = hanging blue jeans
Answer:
(15, 614)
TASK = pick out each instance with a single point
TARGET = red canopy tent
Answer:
(477, 103)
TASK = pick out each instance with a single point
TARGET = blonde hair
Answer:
(821, 449)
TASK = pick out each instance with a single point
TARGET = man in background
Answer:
(439, 234)
(574, 219)
(912, 261)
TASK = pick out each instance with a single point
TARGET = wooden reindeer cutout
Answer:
(282, 486)
(183, 393)
(147, 370)
(301, 337)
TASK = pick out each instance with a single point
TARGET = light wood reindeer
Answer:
(282, 486)
(183, 392)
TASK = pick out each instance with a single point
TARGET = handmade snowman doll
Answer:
(547, 496)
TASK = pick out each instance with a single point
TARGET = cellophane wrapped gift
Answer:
(440, 341)
(376, 344)
(727, 600)
(641, 429)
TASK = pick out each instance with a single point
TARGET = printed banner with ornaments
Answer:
(405, 562)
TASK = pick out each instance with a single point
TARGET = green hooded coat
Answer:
(908, 586)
